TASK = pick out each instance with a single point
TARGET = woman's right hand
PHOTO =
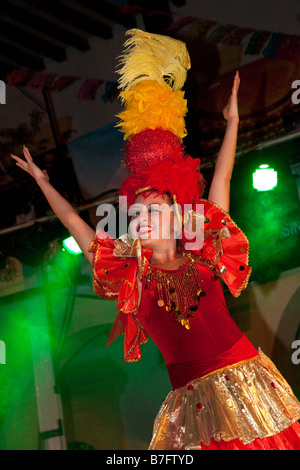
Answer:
(29, 166)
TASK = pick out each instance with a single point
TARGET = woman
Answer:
(226, 394)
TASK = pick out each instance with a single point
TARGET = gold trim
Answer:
(228, 215)
(245, 401)
(93, 243)
(236, 364)
(246, 280)
(141, 190)
(179, 218)
(137, 340)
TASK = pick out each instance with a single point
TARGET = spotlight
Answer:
(264, 178)
(71, 246)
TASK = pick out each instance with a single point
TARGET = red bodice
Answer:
(213, 340)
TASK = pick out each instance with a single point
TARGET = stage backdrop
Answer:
(97, 160)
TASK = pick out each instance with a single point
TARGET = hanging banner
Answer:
(63, 82)
(88, 89)
(271, 48)
(111, 91)
(288, 47)
(97, 158)
(39, 81)
(263, 43)
(18, 77)
(257, 42)
(236, 36)
(219, 33)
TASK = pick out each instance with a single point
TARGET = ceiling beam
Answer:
(159, 18)
(23, 58)
(19, 13)
(106, 11)
(7, 63)
(68, 16)
(28, 42)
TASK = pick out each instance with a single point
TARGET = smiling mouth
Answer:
(144, 229)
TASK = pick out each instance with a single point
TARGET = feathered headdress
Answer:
(153, 70)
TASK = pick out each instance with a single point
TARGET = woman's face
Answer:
(152, 218)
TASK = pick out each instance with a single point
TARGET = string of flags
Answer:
(38, 81)
(265, 43)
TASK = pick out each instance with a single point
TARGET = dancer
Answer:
(166, 276)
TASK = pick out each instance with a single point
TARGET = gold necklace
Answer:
(178, 293)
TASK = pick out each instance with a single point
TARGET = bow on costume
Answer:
(118, 262)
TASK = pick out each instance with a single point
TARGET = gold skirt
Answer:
(244, 401)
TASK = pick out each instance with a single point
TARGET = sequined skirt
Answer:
(245, 401)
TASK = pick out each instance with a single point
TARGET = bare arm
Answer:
(220, 186)
(77, 227)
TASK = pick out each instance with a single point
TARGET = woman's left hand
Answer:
(231, 109)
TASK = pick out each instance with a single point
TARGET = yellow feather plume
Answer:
(154, 57)
(152, 105)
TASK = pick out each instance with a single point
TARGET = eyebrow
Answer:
(135, 206)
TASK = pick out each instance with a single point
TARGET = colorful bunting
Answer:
(39, 81)
(18, 77)
(257, 42)
(288, 47)
(63, 82)
(89, 89)
(111, 91)
(271, 48)
(219, 33)
(264, 43)
(236, 36)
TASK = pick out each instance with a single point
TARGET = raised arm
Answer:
(77, 227)
(220, 186)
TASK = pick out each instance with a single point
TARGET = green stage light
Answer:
(71, 246)
(264, 178)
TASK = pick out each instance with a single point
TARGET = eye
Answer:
(154, 209)
(131, 217)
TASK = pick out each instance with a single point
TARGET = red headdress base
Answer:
(156, 159)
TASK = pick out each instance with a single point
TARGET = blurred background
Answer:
(61, 388)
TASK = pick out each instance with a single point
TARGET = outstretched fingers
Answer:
(27, 154)
(236, 83)
(20, 162)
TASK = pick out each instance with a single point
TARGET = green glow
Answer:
(264, 178)
(71, 246)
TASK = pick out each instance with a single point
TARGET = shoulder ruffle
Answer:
(223, 246)
(116, 264)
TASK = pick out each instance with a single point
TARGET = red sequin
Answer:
(199, 406)
(191, 387)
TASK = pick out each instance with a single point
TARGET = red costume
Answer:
(226, 394)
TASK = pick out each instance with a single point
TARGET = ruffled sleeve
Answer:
(116, 265)
(223, 245)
